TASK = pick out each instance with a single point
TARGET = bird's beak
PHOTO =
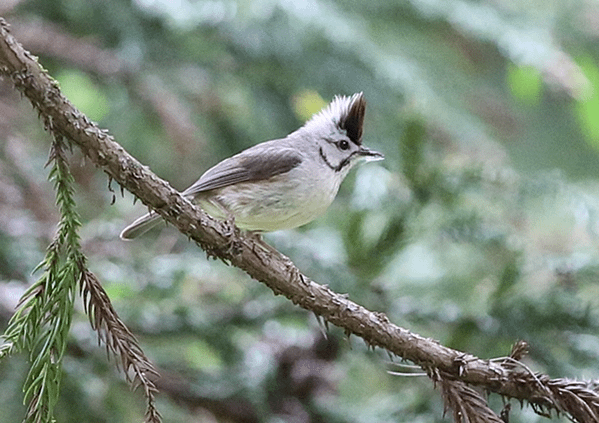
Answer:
(370, 155)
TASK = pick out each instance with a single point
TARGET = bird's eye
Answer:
(343, 145)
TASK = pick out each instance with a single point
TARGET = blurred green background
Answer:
(480, 227)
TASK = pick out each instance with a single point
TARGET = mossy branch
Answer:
(42, 321)
(459, 374)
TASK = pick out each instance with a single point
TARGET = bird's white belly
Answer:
(270, 206)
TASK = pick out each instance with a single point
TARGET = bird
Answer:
(283, 183)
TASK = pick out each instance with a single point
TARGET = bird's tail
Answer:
(140, 226)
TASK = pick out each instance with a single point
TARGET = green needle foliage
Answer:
(465, 233)
(43, 318)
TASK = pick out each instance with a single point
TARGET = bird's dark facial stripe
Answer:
(326, 161)
(341, 164)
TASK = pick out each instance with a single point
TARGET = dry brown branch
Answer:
(466, 404)
(579, 400)
(506, 376)
(119, 341)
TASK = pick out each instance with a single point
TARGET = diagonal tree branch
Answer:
(275, 270)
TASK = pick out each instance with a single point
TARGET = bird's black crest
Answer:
(353, 122)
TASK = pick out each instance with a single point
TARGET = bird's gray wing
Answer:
(253, 164)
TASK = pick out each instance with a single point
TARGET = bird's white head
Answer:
(337, 131)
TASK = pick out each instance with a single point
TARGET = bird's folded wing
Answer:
(254, 164)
